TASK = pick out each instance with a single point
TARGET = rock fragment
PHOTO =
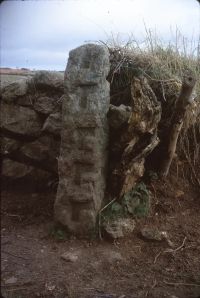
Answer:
(10, 281)
(69, 257)
(53, 124)
(153, 234)
(119, 228)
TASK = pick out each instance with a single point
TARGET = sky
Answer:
(39, 34)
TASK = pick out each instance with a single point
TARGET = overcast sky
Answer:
(40, 34)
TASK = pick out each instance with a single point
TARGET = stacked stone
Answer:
(82, 161)
(30, 129)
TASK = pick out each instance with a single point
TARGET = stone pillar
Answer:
(84, 140)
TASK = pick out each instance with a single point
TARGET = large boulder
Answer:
(118, 116)
(44, 80)
(82, 162)
(45, 105)
(20, 121)
(42, 152)
(11, 92)
(24, 175)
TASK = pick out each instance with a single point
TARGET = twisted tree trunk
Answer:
(182, 103)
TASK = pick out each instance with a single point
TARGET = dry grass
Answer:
(164, 66)
(154, 59)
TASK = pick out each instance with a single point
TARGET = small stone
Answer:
(152, 234)
(69, 257)
(53, 124)
(9, 145)
(120, 227)
(50, 287)
(156, 235)
(112, 256)
(11, 280)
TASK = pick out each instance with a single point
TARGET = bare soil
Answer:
(31, 254)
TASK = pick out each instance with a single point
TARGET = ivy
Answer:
(135, 203)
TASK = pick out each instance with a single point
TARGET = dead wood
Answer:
(181, 106)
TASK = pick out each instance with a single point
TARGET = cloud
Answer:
(39, 31)
(35, 59)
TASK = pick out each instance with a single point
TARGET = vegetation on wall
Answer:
(163, 66)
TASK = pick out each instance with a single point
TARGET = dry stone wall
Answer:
(33, 110)
(54, 128)
(30, 114)
(82, 162)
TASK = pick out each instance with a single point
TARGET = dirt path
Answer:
(32, 265)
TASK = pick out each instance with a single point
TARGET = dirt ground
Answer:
(31, 264)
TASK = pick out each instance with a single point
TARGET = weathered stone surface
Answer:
(43, 151)
(15, 170)
(70, 257)
(44, 105)
(153, 234)
(111, 256)
(8, 145)
(25, 103)
(83, 156)
(14, 90)
(48, 79)
(120, 227)
(53, 124)
(26, 100)
(11, 281)
(118, 116)
(20, 120)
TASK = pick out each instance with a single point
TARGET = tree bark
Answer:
(182, 103)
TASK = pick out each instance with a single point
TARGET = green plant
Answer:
(137, 201)
(58, 234)
(113, 211)
(134, 203)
